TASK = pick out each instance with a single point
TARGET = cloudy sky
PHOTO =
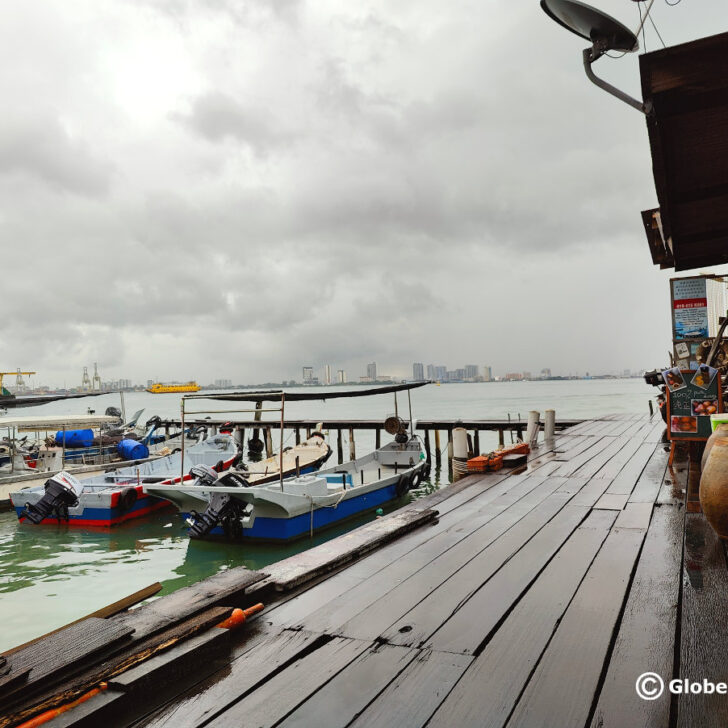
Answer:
(209, 189)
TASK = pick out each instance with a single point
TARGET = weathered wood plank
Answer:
(326, 557)
(592, 467)
(647, 631)
(250, 669)
(466, 627)
(650, 480)
(349, 692)
(614, 466)
(434, 584)
(574, 463)
(625, 480)
(566, 678)
(286, 690)
(635, 515)
(415, 694)
(612, 501)
(703, 637)
(490, 688)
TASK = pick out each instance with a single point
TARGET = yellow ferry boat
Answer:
(159, 388)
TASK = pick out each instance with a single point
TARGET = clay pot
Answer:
(714, 487)
(720, 431)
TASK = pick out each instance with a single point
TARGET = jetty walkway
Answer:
(535, 598)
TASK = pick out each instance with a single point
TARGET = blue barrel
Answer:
(75, 438)
(132, 450)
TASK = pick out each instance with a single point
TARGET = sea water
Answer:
(51, 575)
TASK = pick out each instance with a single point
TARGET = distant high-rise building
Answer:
(431, 372)
(307, 375)
(222, 383)
(441, 373)
(546, 373)
(471, 371)
(372, 371)
(341, 376)
(487, 374)
(327, 374)
(418, 372)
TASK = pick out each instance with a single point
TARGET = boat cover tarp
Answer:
(33, 400)
(274, 395)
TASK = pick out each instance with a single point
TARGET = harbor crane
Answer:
(18, 377)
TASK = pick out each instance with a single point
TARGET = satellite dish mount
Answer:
(605, 34)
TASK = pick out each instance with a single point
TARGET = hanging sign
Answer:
(689, 308)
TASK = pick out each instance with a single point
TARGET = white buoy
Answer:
(549, 425)
(459, 452)
(533, 427)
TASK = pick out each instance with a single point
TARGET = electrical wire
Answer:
(658, 33)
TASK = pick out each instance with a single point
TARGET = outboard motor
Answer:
(61, 491)
(222, 509)
(113, 412)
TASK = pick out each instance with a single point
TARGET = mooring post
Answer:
(268, 443)
(449, 445)
(470, 445)
(428, 454)
(298, 436)
(652, 411)
(476, 442)
(378, 439)
(438, 450)
(549, 425)
(352, 446)
(534, 418)
(258, 413)
(308, 432)
(339, 447)
(501, 438)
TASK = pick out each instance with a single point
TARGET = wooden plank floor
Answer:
(536, 599)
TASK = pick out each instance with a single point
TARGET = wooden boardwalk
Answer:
(536, 599)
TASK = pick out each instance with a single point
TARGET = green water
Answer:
(51, 575)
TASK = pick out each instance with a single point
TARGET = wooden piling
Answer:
(476, 442)
(352, 446)
(258, 414)
(268, 443)
(438, 450)
(339, 447)
(378, 439)
(501, 439)
(428, 454)
(298, 436)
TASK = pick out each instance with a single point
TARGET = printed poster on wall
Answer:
(689, 308)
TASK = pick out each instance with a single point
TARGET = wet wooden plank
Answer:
(590, 493)
(452, 577)
(464, 628)
(574, 463)
(612, 501)
(226, 587)
(635, 515)
(592, 467)
(625, 480)
(347, 694)
(647, 631)
(383, 571)
(614, 466)
(564, 683)
(490, 688)
(250, 668)
(650, 480)
(416, 693)
(285, 691)
(61, 654)
(703, 637)
(579, 444)
(310, 564)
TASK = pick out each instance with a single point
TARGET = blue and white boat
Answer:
(226, 505)
(234, 506)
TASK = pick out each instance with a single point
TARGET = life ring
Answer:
(127, 499)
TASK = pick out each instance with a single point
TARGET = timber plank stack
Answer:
(537, 598)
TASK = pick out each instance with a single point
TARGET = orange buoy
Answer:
(714, 487)
(239, 616)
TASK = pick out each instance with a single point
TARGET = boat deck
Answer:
(536, 599)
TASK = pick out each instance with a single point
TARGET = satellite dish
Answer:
(605, 34)
(591, 24)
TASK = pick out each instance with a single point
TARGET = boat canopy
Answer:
(33, 400)
(274, 395)
(56, 422)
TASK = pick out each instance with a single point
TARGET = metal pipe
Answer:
(591, 55)
(280, 454)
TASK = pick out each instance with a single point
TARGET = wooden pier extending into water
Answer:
(532, 598)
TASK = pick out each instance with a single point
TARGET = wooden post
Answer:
(476, 443)
(339, 447)
(258, 413)
(652, 411)
(470, 446)
(501, 439)
(438, 451)
(308, 432)
(268, 443)
(428, 454)
(298, 436)
(449, 445)
(352, 446)
(378, 439)
(549, 425)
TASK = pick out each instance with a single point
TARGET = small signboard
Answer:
(692, 396)
(689, 308)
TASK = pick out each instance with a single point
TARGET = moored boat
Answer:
(232, 507)
(118, 496)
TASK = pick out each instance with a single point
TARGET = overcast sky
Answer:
(236, 189)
